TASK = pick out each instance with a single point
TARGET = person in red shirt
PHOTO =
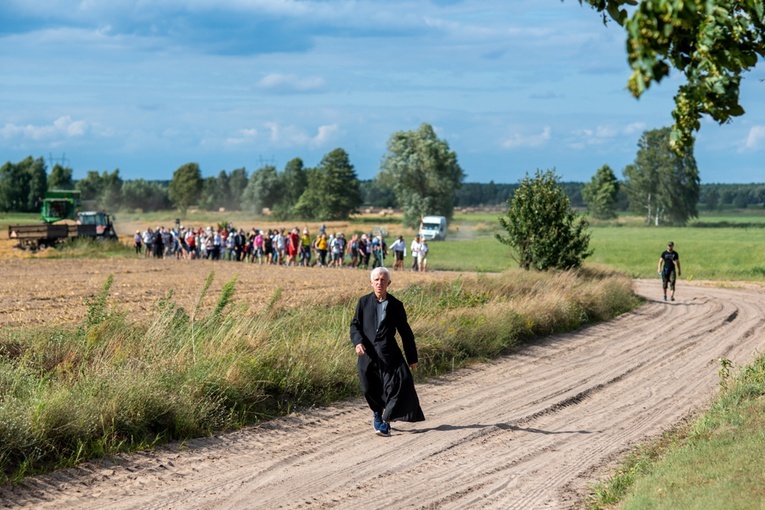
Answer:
(293, 247)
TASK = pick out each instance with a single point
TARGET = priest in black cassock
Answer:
(386, 380)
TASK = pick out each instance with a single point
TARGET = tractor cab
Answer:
(60, 205)
(101, 221)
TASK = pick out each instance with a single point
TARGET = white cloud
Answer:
(634, 128)
(755, 139)
(292, 136)
(518, 140)
(62, 127)
(604, 133)
(325, 135)
(245, 136)
(290, 83)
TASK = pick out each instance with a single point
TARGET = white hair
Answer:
(378, 270)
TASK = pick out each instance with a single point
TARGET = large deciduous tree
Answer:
(105, 189)
(295, 182)
(264, 189)
(38, 182)
(147, 196)
(661, 184)
(712, 42)
(541, 226)
(600, 194)
(60, 178)
(23, 185)
(333, 191)
(423, 173)
(186, 186)
(237, 183)
(14, 188)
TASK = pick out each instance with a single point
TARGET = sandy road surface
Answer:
(529, 431)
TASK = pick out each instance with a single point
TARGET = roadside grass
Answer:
(713, 463)
(112, 384)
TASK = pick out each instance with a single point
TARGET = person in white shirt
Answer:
(415, 249)
(399, 251)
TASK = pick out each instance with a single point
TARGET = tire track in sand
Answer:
(527, 431)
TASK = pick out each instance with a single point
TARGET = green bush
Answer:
(542, 228)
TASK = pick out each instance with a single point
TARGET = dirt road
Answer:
(529, 431)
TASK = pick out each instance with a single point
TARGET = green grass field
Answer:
(14, 218)
(705, 253)
(719, 246)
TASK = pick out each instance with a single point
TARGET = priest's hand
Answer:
(413, 365)
(360, 350)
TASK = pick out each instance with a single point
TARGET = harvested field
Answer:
(54, 291)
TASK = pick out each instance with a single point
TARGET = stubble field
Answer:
(37, 290)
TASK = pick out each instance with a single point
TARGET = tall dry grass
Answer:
(114, 384)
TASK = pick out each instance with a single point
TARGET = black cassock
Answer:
(386, 380)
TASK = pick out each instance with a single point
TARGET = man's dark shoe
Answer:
(377, 422)
(384, 430)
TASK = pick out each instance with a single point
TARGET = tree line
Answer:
(419, 173)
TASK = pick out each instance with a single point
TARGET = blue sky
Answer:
(512, 86)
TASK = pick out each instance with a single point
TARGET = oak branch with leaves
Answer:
(712, 42)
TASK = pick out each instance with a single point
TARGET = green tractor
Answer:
(58, 206)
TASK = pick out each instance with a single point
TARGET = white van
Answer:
(433, 228)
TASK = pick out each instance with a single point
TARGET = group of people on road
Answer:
(278, 246)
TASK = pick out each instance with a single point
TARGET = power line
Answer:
(61, 161)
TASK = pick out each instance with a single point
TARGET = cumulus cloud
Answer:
(293, 136)
(604, 133)
(62, 127)
(519, 140)
(245, 137)
(754, 140)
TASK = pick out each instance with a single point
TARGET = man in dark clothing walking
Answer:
(667, 262)
(386, 380)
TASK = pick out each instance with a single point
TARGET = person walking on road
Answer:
(386, 379)
(667, 262)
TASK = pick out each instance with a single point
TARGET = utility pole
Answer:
(53, 161)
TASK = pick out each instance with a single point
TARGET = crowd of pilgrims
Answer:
(277, 246)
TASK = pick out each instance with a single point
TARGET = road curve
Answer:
(530, 430)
